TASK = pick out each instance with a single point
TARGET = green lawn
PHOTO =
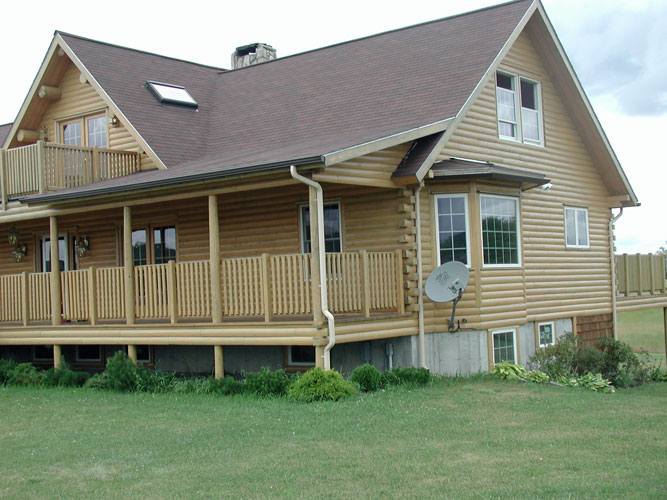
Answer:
(643, 330)
(477, 439)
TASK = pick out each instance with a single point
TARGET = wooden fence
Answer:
(269, 286)
(641, 274)
(47, 167)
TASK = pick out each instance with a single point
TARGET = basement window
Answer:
(167, 93)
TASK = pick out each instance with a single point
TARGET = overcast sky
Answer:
(617, 48)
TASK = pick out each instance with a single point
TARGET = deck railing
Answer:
(48, 167)
(265, 287)
(641, 274)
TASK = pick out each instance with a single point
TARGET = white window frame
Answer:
(83, 121)
(81, 359)
(518, 108)
(290, 362)
(538, 104)
(553, 333)
(514, 344)
(518, 230)
(437, 222)
(302, 227)
(576, 227)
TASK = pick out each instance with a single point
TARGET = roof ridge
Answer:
(131, 49)
(382, 33)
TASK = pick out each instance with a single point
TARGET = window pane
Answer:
(139, 247)
(546, 334)
(72, 134)
(88, 353)
(332, 241)
(504, 81)
(452, 231)
(531, 128)
(305, 229)
(164, 244)
(528, 95)
(582, 228)
(503, 347)
(499, 230)
(97, 132)
(302, 355)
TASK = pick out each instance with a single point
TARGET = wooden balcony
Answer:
(641, 274)
(266, 288)
(45, 167)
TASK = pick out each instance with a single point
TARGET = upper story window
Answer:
(500, 230)
(332, 239)
(452, 228)
(576, 227)
(514, 93)
(85, 131)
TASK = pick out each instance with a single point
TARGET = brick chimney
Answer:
(249, 55)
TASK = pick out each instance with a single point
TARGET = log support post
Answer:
(219, 363)
(132, 353)
(319, 356)
(56, 302)
(57, 355)
(128, 271)
(214, 255)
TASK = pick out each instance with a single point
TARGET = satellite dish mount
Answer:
(446, 284)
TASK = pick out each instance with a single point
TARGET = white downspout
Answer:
(422, 348)
(323, 269)
(613, 272)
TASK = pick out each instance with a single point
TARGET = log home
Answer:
(286, 212)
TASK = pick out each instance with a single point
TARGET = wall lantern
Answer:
(20, 252)
(82, 245)
(14, 236)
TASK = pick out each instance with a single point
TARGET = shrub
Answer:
(319, 385)
(508, 370)
(412, 376)
(538, 377)
(97, 381)
(63, 376)
(121, 373)
(621, 365)
(26, 374)
(155, 381)
(7, 367)
(556, 360)
(267, 383)
(389, 377)
(367, 377)
(227, 385)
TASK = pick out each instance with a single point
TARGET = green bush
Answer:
(97, 381)
(509, 370)
(121, 373)
(227, 386)
(556, 360)
(63, 376)
(367, 377)
(389, 377)
(155, 381)
(7, 367)
(26, 374)
(538, 377)
(413, 376)
(319, 385)
(267, 383)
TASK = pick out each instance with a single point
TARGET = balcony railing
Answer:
(641, 274)
(44, 167)
(266, 287)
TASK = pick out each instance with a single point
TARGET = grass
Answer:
(643, 330)
(477, 439)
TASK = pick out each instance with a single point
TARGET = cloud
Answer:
(618, 50)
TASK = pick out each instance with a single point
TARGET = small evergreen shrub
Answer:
(412, 376)
(7, 367)
(97, 381)
(64, 376)
(155, 381)
(367, 377)
(26, 374)
(227, 386)
(121, 373)
(388, 378)
(267, 383)
(319, 385)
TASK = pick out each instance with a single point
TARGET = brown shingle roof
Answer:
(306, 105)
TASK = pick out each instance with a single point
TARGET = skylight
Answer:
(171, 94)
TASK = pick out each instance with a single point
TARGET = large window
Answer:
(452, 228)
(332, 240)
(85, 131)
(513, 93)
(576, 227)
(500, 230)
(504, 346)
(154, 245)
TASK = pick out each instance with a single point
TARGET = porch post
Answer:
(219, 363)
(319, 356)
(129, 266)
(57, 354)
(214, 255)
(316, 286)
(132, 353)
(56, 306)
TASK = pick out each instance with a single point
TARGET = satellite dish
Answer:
(445, 284)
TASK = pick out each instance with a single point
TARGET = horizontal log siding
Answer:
(559, 282)
(370, 169)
